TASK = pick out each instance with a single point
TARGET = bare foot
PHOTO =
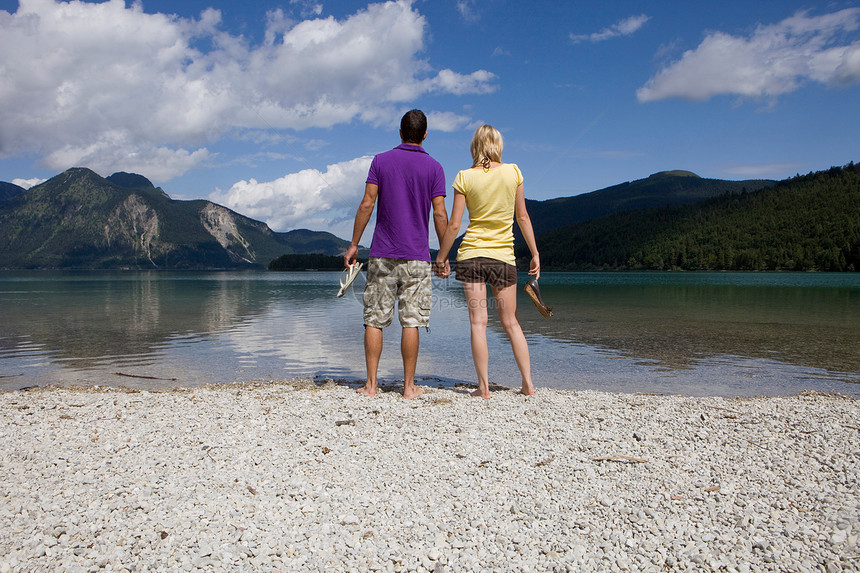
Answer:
(480, 394)
(368, 390)
(412, 392)
(528, 390)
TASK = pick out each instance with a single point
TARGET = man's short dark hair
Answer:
(413, 126)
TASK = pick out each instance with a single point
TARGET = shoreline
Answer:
(303, 475)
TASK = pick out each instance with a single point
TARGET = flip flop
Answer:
(533, 291)
(347, 277)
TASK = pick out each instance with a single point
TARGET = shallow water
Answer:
(686, 333)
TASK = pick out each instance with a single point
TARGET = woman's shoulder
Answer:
(463, 175)
(517, 173)
(462, 181)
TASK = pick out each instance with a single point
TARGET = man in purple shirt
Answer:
(408, 183)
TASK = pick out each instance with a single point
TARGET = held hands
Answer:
(442, 269)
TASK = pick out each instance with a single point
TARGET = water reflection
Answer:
(625, 331)
(678, 325)
(86, 320)
(173, 328)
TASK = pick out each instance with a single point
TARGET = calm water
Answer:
(688, 333)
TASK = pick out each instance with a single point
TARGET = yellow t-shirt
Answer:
(490, 198)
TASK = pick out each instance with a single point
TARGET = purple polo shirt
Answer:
(408, 179)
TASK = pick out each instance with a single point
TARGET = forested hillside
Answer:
(9, 190)
(806, 223)
(305, 262)
(657, 190)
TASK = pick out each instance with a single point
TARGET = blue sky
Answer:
(274, 109)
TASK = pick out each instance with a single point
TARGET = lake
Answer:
(727, 334)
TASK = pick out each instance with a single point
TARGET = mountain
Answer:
(81, 220)
(805, 223)
(129, 180)
(9, 190)
(658, 190)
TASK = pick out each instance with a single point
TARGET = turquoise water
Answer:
(730, 334)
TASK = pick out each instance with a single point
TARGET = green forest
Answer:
(303, 262)
(806, 223)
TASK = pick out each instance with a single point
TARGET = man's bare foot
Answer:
(412, 392)
(481, 394)
(368, 390)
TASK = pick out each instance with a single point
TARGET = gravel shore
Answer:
(305, 476)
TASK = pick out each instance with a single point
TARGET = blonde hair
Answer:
(486, 146)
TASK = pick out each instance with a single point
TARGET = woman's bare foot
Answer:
(368, 390)
(412, 391)
(481, 394)
(528, 389)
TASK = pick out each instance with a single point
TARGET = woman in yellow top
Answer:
(493, 193)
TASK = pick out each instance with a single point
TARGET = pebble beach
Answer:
(304, 475)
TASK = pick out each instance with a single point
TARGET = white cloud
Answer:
(448, 81)
(111, 151)
(448, 121)
(767, 170)
(309, 199)
(308, 7)
(774, 60)
(468, 9)
(27, 183)
(625, 27)
(115, 88)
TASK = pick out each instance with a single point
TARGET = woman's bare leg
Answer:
(476, 300)
(506, 301)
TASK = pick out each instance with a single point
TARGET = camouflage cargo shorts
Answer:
(407, 282)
